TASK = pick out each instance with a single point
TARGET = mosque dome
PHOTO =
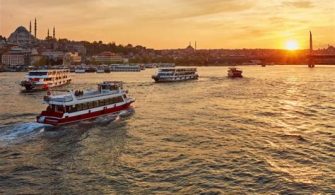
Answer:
(21, 36)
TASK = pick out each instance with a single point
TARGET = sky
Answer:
(167, 24)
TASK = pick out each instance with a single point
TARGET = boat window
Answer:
(73, 108)
(59, 108)
(79, 107)
(90, 105)
(69, 108)
(84, 106)
(37, 73)
(118, 99)
(124, 96)
(95, 104)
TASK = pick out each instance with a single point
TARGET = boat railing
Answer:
(66, 98)
(92, 94)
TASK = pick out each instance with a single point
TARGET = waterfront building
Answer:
(54, 55)
(35, 56)
(108, 57)
(16, 56)
(71, 58)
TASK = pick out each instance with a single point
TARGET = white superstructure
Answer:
(45, 79)
(175, 74)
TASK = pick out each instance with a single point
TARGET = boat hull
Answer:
(175, 79)
(56, 121)
(31, 87)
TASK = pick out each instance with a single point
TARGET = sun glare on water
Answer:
(291, 45)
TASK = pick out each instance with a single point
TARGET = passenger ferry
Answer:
(80, 70)
(46, 79)
(125, 68)
(103, 69)
(82, 105)
(175, 74)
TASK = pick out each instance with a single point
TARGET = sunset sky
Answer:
(164, 24)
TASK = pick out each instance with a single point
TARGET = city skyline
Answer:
(172, 24)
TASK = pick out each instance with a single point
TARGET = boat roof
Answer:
(49, 70)
(169, 69)
(111, 83)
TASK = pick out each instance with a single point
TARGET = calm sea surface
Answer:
(272, 131)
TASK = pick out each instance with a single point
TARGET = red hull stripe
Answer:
(61, 121)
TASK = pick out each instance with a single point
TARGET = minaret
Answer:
(30, 27)
(195, 45)
(35, 33)
(54, 33)
(48, 34)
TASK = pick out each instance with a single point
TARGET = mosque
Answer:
(21, 36)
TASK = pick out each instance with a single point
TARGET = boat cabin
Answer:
(107, 86)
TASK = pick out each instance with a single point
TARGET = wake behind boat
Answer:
(175, 74)
(82, 105)
(46, 79)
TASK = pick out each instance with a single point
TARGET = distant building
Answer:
(21, 36)
(189, 49)
(108, 57)
(54, 55)
(35, 56)
(16, 56)
(71, 58)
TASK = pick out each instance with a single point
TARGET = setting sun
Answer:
(291, 45)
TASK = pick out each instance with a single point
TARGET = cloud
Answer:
(299, 4)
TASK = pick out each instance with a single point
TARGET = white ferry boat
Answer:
(125, 68)
(46, 79)
(100, 70)
(82, 105)
(175, 74)
(80, 70)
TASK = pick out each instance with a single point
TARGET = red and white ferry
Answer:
(82, 105)
(45, 79)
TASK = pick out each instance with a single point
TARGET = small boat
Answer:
(234, 73)
(37, 80)
(100, 70)
(175, 74)
(80, 70)
(91, 69)
(74, 106)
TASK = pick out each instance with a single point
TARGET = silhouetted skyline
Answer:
(172, 24)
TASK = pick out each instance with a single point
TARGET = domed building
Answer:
(21, 36)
